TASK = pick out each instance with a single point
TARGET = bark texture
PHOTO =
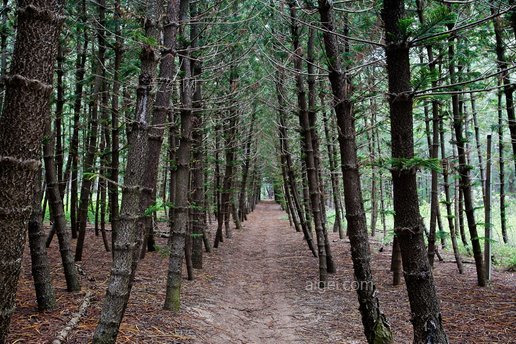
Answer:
(22, 124)
(408, 224)
(58, 215)
(115, 131)
(91, 150)
(162, 108)
(376, 327)
(307, 144)
(45, 295)
(129, 227)
(464, 168)
(198, 210)
(179, 226)
(287, 162)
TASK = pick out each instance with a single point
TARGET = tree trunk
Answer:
(22, 124)
(449, 213)
(72, 164)
(102, 184)
(115, 131)
(242, 204)
(219, 236)
(503, 65)
(501, 163)
(129, 234)
(179, 228)
(172, 155)
(90, 157)
(307, 143)
(433, 145)
(408, 224)
(97, 201)
(57, 213)
(162, 108)
(382, 198)
(333, 171)
(312, 120)
(478, 145)
(463, 169)
(371, 150)
(376, 327)
(58, 121)
(45, 295)
(230, 132)
(198, 210)
(487, 221)
(287, 158)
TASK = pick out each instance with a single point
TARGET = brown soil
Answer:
(257, 288)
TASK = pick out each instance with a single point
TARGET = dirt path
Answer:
(256, 288)
(252, 302)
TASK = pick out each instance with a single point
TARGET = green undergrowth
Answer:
(504, 255)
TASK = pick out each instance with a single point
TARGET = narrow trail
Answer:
(257, 296)
(256, 299)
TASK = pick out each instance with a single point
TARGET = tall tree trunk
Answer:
(487, 211)
(102, 184)
(330, 146)
(72, 164)
(230, 134)
(115, 131)
(289, 203)
(90, 157)
(198, 210)
(242, 205)
(287, 158)
(162, 108)
(57, 213)
(463, 168)
(97, 200)
(460, 213)
(449, 213)
(478, 144)
(307, 143)
(129, 233)
(382, 198)
(22, 124)
(503, 65)
(312, 120)
(371, 148)
(408, 224)
(45, 295)
(179, 228)
(501, 163)
(433, 145)
(219, 236)
(376, 327)
(58, 121)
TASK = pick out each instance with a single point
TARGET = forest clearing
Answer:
(258, 171)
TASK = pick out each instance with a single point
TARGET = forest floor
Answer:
(259, 288)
